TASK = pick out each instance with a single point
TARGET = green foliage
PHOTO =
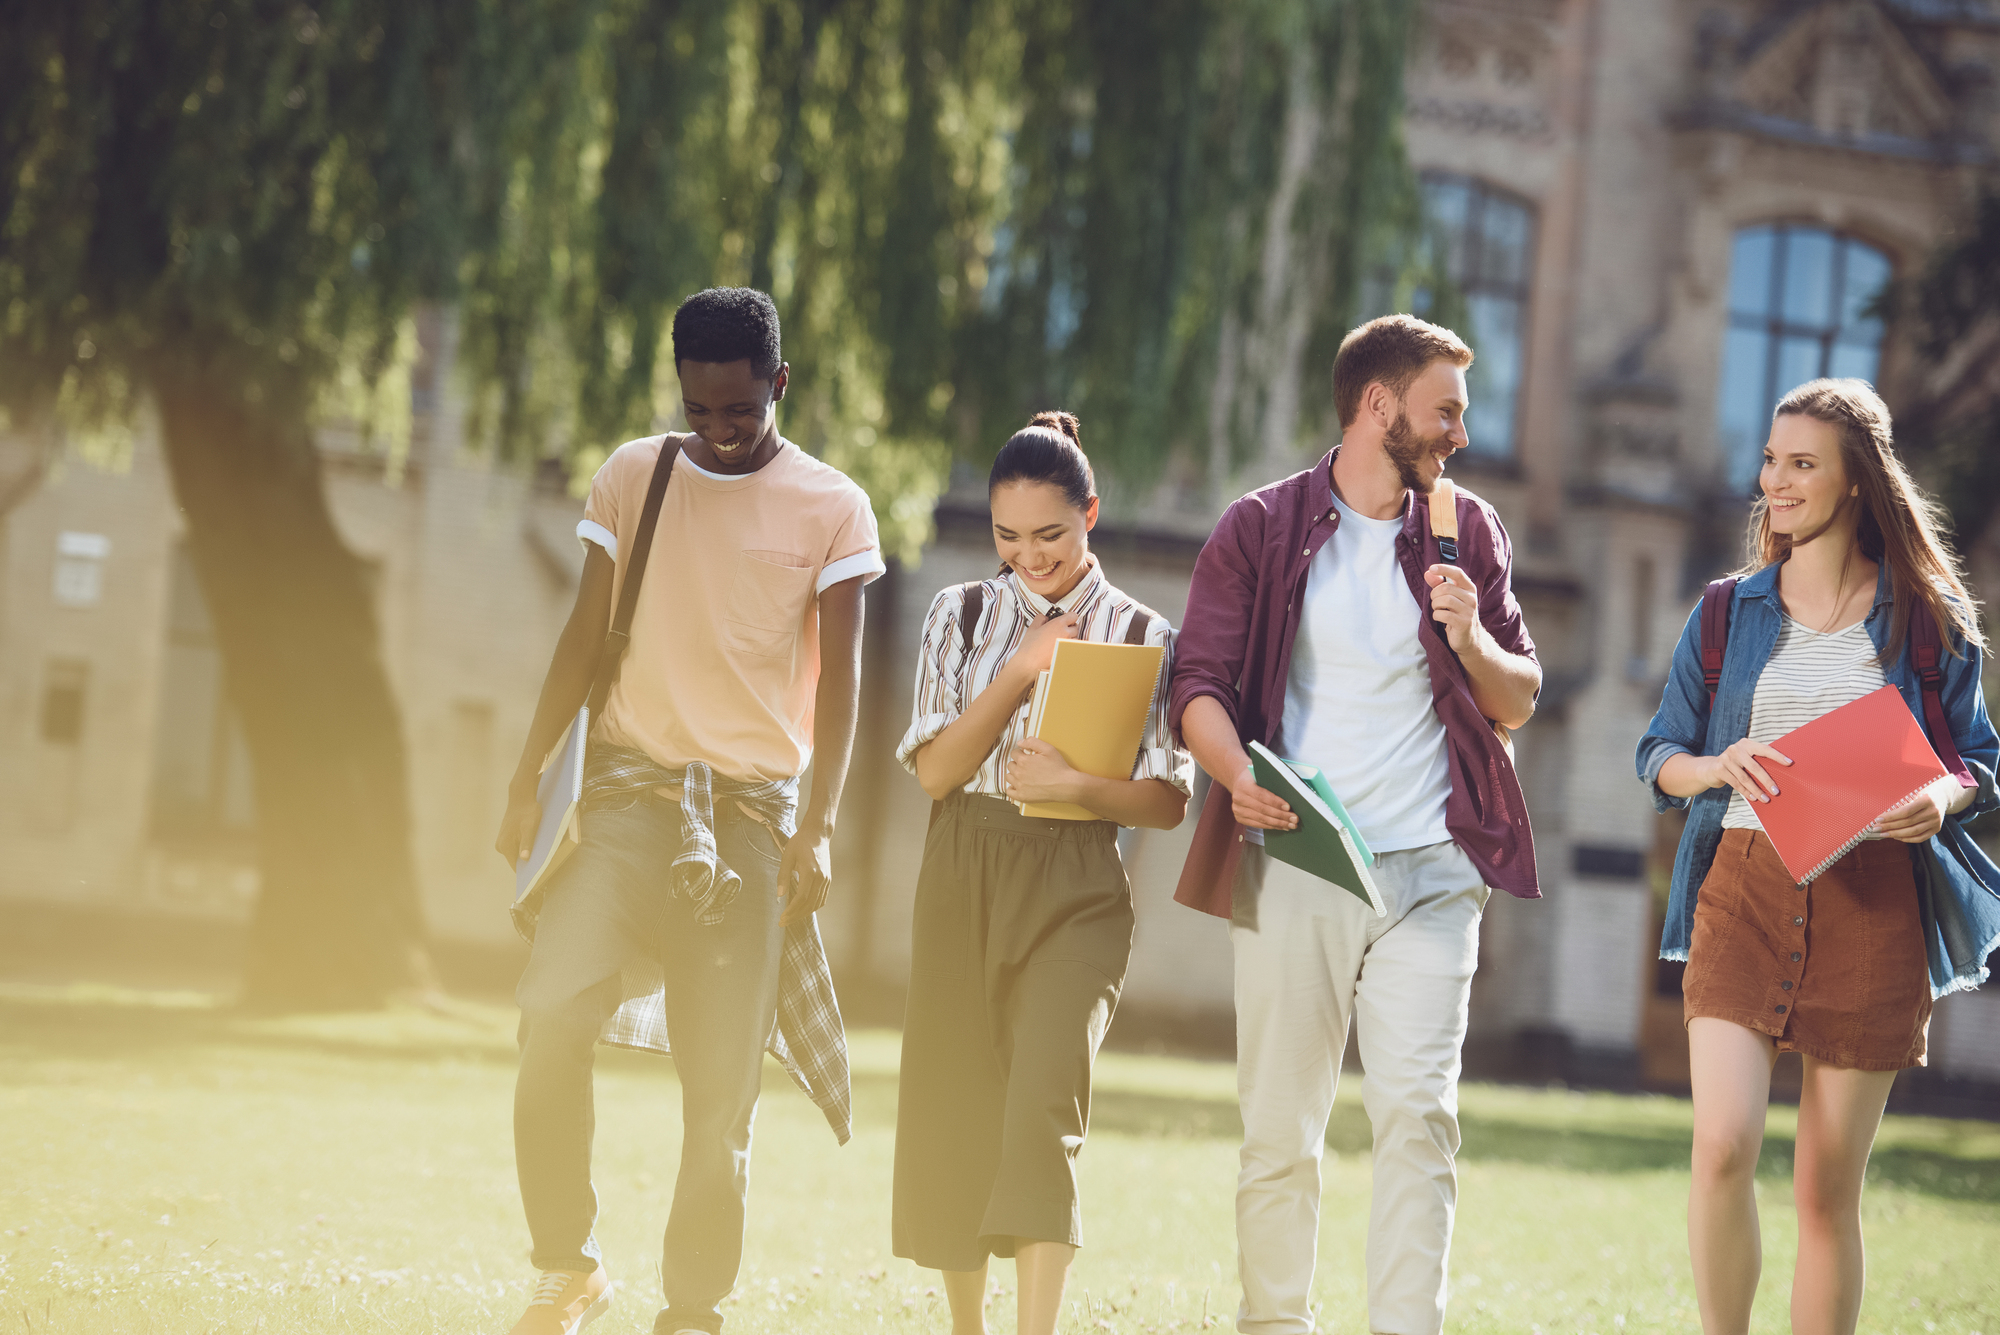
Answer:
(267, 188)
(965, 210)
(1948, 429)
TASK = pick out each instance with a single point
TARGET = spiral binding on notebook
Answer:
(1860, 836)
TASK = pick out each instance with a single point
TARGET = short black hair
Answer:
(729, 324)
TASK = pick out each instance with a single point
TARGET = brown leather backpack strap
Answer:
(1142, 624)
(619, 637)
(971, 604)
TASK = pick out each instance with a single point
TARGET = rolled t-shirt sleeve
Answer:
(600, 511)
(940, 695)
(856, 549)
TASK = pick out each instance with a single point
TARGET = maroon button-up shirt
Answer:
(1244, 606)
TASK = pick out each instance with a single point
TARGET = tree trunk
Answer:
(338, 922)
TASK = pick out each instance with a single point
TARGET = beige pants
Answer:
(1310, 956)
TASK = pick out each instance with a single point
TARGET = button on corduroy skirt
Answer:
(1022, 932)
(1833, 969)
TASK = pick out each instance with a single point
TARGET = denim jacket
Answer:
(1958, 887)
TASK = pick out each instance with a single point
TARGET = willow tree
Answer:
(1151, 211)
(1950, 421)
(1154, 211)
(226, 210)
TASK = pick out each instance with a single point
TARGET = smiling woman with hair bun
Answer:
(1022, 926)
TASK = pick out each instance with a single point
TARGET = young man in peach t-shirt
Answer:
(686, 914)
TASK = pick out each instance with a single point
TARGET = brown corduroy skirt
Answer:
(1834, 969)
(1022, 931)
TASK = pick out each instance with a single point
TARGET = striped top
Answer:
(948, 679)
(1810, 673)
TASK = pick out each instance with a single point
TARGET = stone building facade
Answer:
(1656, 215)
(1714, 193)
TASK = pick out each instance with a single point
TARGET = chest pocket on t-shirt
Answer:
(769, 605)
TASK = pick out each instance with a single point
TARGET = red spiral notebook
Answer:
(1850, 767)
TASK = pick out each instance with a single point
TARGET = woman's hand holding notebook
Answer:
(1850, 767)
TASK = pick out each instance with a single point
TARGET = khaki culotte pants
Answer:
(1022, 931)
(1310, 957)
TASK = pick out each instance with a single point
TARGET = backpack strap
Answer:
(619, 637)
(1926, 655)
(1714, 633)
(971, 605)
(1142, 625)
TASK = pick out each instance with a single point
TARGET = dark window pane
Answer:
(64, 686)
(1483, 244)
(1808, 293)
(1858, 360)
(1494, 380)
(1820, 326)
(1750, 271)
(1448, 208)
(1799, 360)
(1507, 228)
(1867, 275)
(1744, 405)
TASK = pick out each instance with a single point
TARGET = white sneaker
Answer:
(564, 1302)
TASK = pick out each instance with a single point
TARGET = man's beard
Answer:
(1406, 449)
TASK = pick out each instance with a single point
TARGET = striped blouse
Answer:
(1809, 673)
(948, 679)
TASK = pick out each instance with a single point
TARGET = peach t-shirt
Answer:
(724, 658)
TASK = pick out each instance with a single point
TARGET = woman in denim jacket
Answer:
(1841, 970)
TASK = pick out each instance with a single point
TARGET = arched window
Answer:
(1487, 242)
(1802, 304)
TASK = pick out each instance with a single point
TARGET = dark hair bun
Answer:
(1061, 421)
(1047, 450)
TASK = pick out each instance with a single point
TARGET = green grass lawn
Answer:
(172, 1167)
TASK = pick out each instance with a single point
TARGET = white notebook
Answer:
(561, 794)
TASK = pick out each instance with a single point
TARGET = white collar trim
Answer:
(1073, 601)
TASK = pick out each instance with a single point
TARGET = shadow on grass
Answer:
(1581, 1149)
(110, 1030)
(87, 1030)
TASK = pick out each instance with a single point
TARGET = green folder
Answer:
(1326, 844)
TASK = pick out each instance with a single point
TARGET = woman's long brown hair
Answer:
(1898, 523)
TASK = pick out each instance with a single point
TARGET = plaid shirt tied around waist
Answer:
(808, 1039)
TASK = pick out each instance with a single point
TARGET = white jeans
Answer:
(1309, 956)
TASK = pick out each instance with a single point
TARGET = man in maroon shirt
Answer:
(1324, 621)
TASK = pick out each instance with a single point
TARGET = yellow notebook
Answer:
(1091, 705)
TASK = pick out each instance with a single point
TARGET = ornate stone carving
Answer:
(1846, 71)
(1472, 117)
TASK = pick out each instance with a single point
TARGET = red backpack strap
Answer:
(1714, 633)
(1926, 655)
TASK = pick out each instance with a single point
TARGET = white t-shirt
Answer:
(1358, 699)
